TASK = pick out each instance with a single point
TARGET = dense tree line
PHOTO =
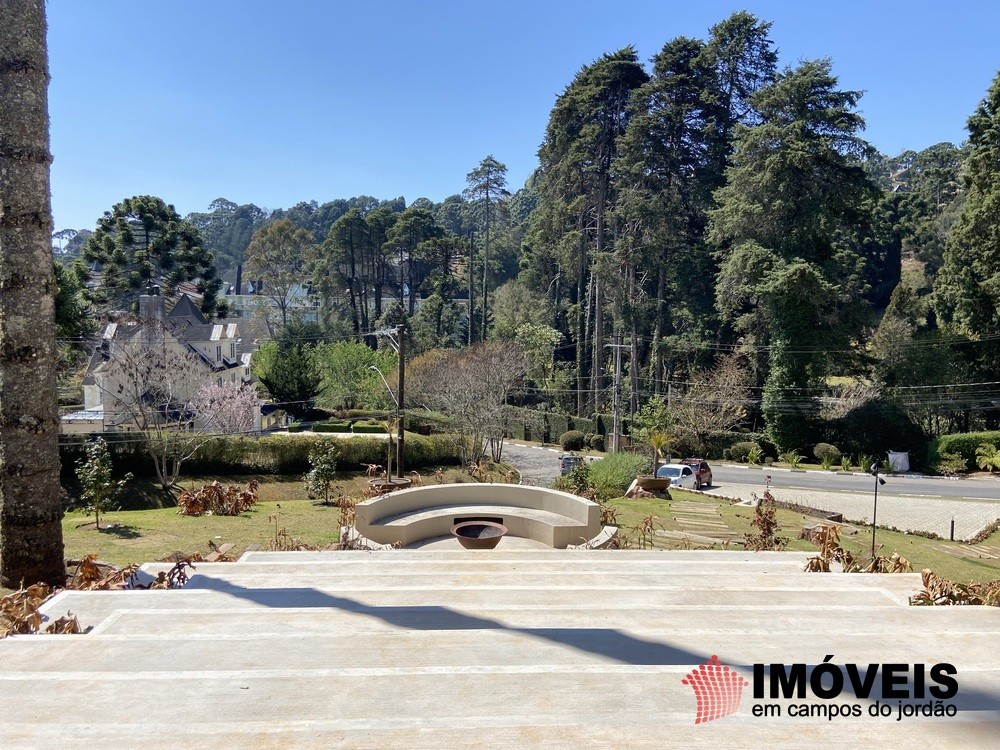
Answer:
(707, 206)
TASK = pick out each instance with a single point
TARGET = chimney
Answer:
(151, 316)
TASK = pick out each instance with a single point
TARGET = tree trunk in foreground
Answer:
(31, 545)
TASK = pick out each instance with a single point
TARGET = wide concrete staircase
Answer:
(448, 648)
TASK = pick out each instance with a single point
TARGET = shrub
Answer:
(275, 454)
(613, 474)
(876, 426)
(571, 440)
(741, 451)
(792, 458)
(557, 424)
(369, 429)
(950, 464)
(755, 455)
(714, 443)
(964, 444)
(323, 460)
(597, 442)
(988, 457)
(687, 444)
(331, 427)
(826, 452)
(214, 499)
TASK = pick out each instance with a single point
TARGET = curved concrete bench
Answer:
(557, 519)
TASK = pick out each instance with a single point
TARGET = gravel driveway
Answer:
(538, 466)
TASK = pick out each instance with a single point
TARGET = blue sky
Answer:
(273, 102)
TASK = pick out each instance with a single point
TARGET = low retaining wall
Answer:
(555, 518)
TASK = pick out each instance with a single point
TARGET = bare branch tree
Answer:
(156, 387)
(472, 387)
(715, 400)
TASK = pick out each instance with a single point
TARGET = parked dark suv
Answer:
(702, 471)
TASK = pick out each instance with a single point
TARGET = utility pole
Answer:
(396, 338)
(617, 409)
(400, 413)
(472, 324)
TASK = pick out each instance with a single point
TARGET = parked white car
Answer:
(680, 475)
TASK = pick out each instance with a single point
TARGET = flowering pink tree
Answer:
(226, 409)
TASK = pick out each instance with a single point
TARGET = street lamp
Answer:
(374, 368)
(878, 480)
(399, 421)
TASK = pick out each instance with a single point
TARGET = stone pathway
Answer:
(974, 552)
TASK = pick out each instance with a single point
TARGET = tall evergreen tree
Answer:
(796, 188)
(967, 291)
(31, 543)
(486, 192)
(576, 194)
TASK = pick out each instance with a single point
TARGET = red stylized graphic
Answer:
(717, 690)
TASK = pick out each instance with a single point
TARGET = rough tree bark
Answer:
(31, 545)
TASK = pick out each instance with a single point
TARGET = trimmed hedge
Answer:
(547, 426)
(716, 444)
(271, 454)
(603, 423)
(963, 444)
(571, 440)
(369, 429)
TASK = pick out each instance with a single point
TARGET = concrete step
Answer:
(649, 701)
(434, 733)
(459, 554)
(93, 608)
(479, 644)
(244, 622)
(443, 648)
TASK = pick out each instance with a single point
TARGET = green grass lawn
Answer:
(919, 551)
(138, 536)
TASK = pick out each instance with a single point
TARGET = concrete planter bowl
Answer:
(389, 485)
(652, 483)
(478, 534)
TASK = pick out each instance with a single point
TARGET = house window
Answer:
(218, 353)
(232, 351)
(219, 381)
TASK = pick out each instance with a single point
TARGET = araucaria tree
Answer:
(143, 241)
(31, 544)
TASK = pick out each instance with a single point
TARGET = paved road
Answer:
(855, 498)
(917, 504)
(936, 487)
